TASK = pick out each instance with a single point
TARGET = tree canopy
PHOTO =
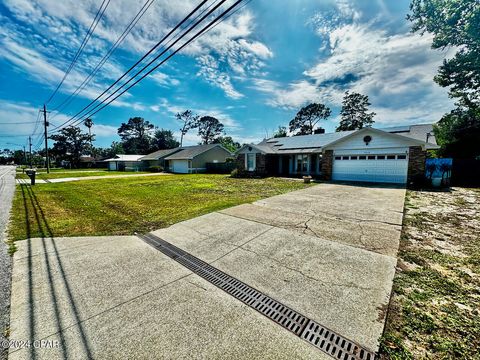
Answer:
(280, 132)
(209, 128)
(455, 24)
(164, 139)
(228, 143)
(71, 143)
(136, 135)
(354, 115)
(458, 133)
(189, 121)
(307, 118)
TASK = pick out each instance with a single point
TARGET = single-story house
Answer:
(125, 163)
(194, 159)
(389, 155)
(157, 158)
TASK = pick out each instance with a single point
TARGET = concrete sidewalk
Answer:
(327, 251)
(68, 179)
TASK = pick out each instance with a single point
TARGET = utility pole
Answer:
(30, 143)
(24, 155)
(45, 124)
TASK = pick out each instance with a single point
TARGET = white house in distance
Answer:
(389, 155)
(125, 163)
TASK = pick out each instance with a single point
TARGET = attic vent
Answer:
(367, 139)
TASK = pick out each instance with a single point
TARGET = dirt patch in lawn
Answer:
(435, 307)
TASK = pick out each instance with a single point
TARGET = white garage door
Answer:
(179, 166)
(388, 168)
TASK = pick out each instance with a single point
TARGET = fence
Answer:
(221, 168)
(466, 172)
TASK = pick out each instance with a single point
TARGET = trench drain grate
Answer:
(331, 343)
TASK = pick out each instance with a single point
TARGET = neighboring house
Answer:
(390, 155)
(157, 158)
(125, 163)
(87, 161)
(194, 159)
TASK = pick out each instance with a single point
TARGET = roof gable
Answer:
(160, 154)
(189, 152)
(355, 138)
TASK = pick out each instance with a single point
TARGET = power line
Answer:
(134, 65)
(201, 32)
(18, 123)
(117, 43)
(8, 136)
(222, 15)
(87, 37)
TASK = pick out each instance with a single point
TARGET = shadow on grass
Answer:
(33, 209)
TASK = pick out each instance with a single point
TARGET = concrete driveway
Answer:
(327, 252)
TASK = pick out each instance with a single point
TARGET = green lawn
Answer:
(136, 204)
(76, 173)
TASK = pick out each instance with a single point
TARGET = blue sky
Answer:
(253, 71)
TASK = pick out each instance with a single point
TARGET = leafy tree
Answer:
(458, 133)
(164, 139)
(189, 121)
(453, 23)
(281, 132)
(209, 128)
(115, 149)
(70, 143)
(228, 143)
(354, 114)
(308, 116)
(7, 156)
(136, 135)
(19, 157)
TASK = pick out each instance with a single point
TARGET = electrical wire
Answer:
(87, 37)
(100, 64)
(138, 62)
(103, 101)
(201, 32)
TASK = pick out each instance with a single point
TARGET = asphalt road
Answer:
(7, 188)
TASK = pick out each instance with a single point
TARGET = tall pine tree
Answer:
(354, 113)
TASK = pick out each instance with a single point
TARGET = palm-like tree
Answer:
(89, 123)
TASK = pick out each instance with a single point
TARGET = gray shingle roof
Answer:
(189, 152)
(160, 154)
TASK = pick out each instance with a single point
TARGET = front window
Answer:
(250, 162)
(302, 163)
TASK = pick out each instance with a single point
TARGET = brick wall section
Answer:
(261, 164)
(416, 164)
(241, 162)
(327, 165)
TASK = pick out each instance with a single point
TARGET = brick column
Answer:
(240, 161)
(327, 165)
(416, 165)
